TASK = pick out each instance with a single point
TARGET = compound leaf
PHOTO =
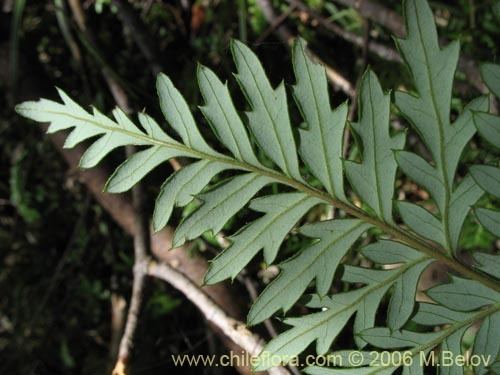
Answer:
(490, 219)
(491, 76)
(488, 126)
(373, 178)
(433, 69)
(421, 221)
(324, 326)
(386, 338)
(318, 261)
(269, 118)
(219, 205)
(488, 263)
(487, 343)
(321, 141)
(177, 113)
(488, 178)
(220, 112)
(181, 187)
(463, 294)
(132, 170)
(282, 211)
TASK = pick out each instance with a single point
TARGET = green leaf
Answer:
(86, 125)
(423, 173)
(433, 69)
(488, 126)
(421, 221)
(394, 279)
(463, 198)
(405, 286)
(373, 178)
(416, 368)
(390, 252)
(220, 112)
(219, 205)
(403, 297)
(181, 187)
(453, 344)
(386, 338)
(488, 177)
(153, 129)
(324, 326)
(321, 141)
(495, 368)
(177, 113)
(132, 170)
(268, 119)
(487, 343)
(282, 212)
(463, 295)
(491, 76)
(461, 132)
(490, 219)
(488, 263)
(318, 261)
(429, 314)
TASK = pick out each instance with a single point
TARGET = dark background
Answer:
(63, 260)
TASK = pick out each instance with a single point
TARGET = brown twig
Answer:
(381, 50)
(395, 23)
(141, 246)
(378, 13)
(252, 291)
(140, 34)
(141, 229)
(354, 105)
(232, 328)
(118, 316)
(275, 25)
(141, 234)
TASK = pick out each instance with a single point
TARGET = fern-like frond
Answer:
(282, 212)
(221, 114)
(414, 349)
(269, 119)
(219, 205)
(373, 178)
(488, 263)
(321, 140)
(318, 262)
(323, 327)
(180, 188)
(400, 256)
(433, 70)
(488, 176)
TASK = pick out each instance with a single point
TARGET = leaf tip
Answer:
(178, 240)
(21, 108)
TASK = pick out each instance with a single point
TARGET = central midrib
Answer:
(272, 220)
(409, 238)
(442, 156)
(325, 249)
(369, 289)
(276, 133)
(375, 153)
(231, 131)
(447, 333)
(320, 129)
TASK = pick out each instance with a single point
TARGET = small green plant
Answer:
(408, 237)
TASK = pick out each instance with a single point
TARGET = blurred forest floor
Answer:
(66, 266)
